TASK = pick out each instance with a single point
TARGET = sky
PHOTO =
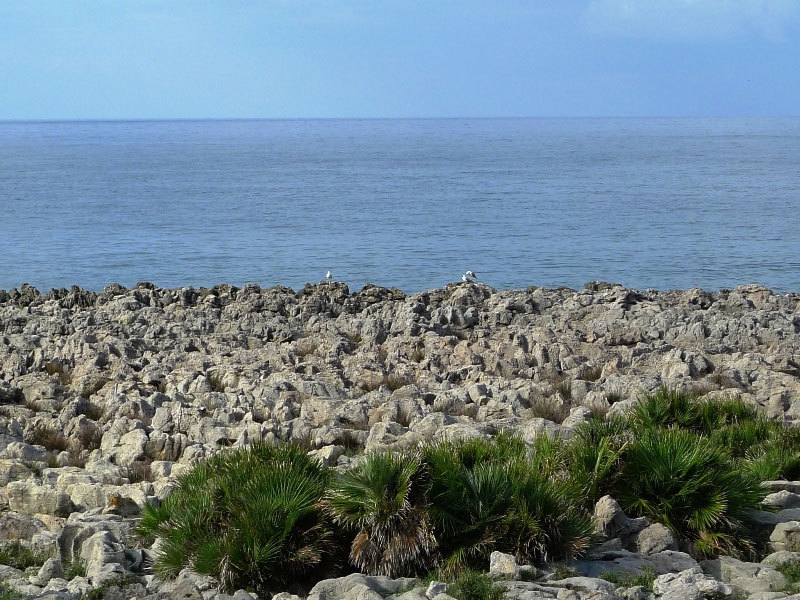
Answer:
(168, 59)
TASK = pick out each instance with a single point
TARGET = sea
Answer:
(663, 203)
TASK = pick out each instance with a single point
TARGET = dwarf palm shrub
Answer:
(666, 408)
(249, 518)
(776, 458)
(595, 454)
(684, 481)
(384, 501)
(484, 498)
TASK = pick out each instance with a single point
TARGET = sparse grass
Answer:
(564, 389)
(417, 354)
(16, 554)
(9, 594)
(305, 348)
(591, 373)
(395, 381)
(75, 568)
(99, 593)
(93, 411)
(723, 381)
(138, 471)
(562, 572)
(550, 409)
(790, 570)
(354, 337)
(215, 380)
(475, 585)
(90, 438)
(90, 389)
(599, 411)
(55, 368)
(49, 437)
(644, 579)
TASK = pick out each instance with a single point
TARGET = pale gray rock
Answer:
(503, 565)
(26, 452)
(360, 587)
(748, 577)
(13, 470)
(51, 569)
(782, 499)
(781, 557)
(15, 526)
(785, 536)
(691, 583)
(611, 521)
(655, 538)
(29, 498)
(435, 588)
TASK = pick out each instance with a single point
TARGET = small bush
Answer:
(250, 518)
(99, 592)
(643, 579)
(790, 570)
(549, 408)
(383, 501)
(475, 585)
(138, 471)
(51, 438)
(683, 481)
(75, 568)
(591, 373)
(20, 556)
(487, 496)
(7, 593)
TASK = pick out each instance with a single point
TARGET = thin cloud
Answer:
(692, 20)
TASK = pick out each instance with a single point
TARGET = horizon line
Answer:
(406, 118)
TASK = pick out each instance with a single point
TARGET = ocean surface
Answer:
(648, 203)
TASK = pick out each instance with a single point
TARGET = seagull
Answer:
(471, 274)
(328, 276)
(465, 279)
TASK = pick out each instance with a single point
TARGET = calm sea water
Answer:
(649, 203)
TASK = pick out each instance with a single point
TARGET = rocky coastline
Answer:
(105, 398)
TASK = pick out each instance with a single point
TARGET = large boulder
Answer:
(745, 576)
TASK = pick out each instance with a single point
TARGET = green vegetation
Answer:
(99, 592)
(268, 518)
(251, 518)
(682, 480)
(383, 501)
(9, 594)
(474, 585)
(486, 496)
(643, 579)
(20, 556)
(790, 570)
(75, 568)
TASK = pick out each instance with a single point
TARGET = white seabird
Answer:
(471, 274)
(328, 276)
(465, 279)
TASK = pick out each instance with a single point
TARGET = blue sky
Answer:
(129, 59)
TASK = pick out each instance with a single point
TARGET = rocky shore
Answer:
(106, 397)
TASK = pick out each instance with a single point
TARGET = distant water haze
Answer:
(649, 203)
